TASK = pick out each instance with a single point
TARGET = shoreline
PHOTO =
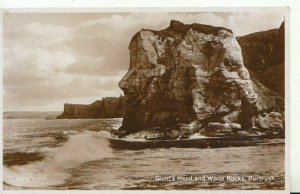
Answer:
(208, 142)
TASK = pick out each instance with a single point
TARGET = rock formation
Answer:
(263, 54)
(187, 78)
(109, 107)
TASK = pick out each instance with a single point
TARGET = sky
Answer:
(53, 58)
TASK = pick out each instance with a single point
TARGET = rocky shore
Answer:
(190, 80)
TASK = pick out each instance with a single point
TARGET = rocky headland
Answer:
(109, 107)
(193, 79)
(263, 54)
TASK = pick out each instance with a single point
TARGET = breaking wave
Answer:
(53, 168)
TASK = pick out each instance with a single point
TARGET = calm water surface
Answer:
(75, 154)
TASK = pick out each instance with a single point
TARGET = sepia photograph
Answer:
(145, 99)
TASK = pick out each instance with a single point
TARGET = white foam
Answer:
(197, 136)
(52, 170)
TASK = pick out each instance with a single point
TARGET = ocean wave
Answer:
(53, 168)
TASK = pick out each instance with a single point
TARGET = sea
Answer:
(43, 153)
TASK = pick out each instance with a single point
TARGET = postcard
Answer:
(145, 99)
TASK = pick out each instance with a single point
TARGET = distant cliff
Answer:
(109, 107)
(263, 54)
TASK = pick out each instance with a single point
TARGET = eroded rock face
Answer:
(263, 54)
(183, 74)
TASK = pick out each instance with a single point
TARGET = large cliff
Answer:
(109, 107)
(188, 75)
(263, 54)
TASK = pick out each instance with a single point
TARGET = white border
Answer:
(294, 88)
(295, 95)
(1, 89)
(139, 3)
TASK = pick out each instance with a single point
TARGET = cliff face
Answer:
(189, 74)
(263, 54)
(109, 107)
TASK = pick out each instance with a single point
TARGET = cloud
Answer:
(22, 65)
(40, 95)
(36, 35)
(244, 23)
